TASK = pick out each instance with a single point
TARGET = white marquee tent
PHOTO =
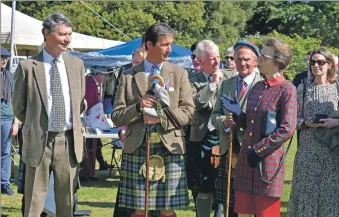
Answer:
(28, 37)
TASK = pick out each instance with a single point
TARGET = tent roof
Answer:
(28, 33)
(128, 48)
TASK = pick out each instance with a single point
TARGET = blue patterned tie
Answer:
(155, 71)
(58, 102)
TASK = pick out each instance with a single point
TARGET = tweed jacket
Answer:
(229, 87)
(204, 99)
(132, 86)
(229, 73)
(30, 105)
(279, 97)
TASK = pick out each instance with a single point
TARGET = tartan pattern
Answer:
(171, 194)
(282, 99)
(221, 183)
(202, 173)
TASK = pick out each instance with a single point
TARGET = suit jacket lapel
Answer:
(140, 78)
(202, 79)
(40, 76)
(72, 76)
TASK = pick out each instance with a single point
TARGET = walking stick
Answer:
(148, 148)
(148, 133)
(229, 168)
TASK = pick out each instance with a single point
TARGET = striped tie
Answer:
(58, 102)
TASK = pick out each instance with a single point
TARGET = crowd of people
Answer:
(205, 131)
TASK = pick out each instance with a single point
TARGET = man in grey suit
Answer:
(203, 135)
(246, 55)
(49, 90)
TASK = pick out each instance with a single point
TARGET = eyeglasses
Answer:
(267, 56)
(4, 58)
(319, 62)
(229, 58)
(193, 56)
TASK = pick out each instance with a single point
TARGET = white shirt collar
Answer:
(148, 65)
(250, 78)
(48, 58)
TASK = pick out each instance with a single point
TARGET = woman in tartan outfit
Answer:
(253, 195)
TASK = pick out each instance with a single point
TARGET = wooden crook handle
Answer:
(161, 80)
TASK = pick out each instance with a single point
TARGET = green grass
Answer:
(99, 196)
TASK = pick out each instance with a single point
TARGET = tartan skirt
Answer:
(221, 183)
(171, 194)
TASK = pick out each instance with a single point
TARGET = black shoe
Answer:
(105, 166)
(5, 189)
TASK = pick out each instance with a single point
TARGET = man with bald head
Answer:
(246, 55)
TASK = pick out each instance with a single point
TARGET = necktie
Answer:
(155, 71)
(58, 102)
(242, 89)
(209, 78)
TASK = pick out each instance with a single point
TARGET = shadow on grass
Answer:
(98, 204)
(284, 204)
(101, 183)
(288, 182)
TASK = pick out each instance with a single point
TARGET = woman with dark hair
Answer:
(315, 183)
(259, 174)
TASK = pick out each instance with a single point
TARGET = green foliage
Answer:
(304, 25)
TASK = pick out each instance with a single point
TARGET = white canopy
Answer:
(28, 37)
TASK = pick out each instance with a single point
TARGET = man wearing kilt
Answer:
(167, 143)
(203, 135)
(246, 55)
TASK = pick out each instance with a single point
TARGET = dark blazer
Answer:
(30, 105)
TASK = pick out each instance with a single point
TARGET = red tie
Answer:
(242, 89)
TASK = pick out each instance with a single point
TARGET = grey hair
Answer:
(230, 50)
(200, 51)
(52, 22)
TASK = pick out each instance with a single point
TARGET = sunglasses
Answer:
(193, 56)
(4, 57)
(229, 58)
(319, 62)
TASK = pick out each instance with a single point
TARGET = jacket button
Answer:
(250, 134)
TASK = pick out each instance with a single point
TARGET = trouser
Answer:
(6, 126)
(59, 157)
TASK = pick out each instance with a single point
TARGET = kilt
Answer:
(171, 194)
(221, 183)
(203, 172)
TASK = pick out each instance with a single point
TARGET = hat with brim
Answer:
(244, 43)
(5, 53)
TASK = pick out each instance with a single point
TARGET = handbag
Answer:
(329, 136)
(270, 124)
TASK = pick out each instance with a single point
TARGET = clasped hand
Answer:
(327, 123)
(148, 101)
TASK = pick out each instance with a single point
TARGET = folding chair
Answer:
(116, 144)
